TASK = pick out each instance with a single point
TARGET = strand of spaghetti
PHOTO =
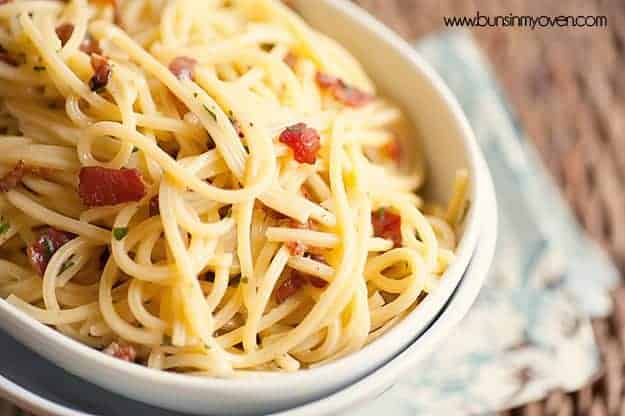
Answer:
(231, 150)
(345, 226)
(8, 10)
(135, 302)
(196, 309)
(112, 318)
(47, 216)
(63, 77)
(170, 166)
(256, 309)
(55, 317)
(80, 29)
(53, 270)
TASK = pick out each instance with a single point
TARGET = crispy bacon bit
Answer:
(303, 141)
(351, 96)
(7, 58)
(387, 225)
(100, 186)
(317, 282)
(290, 286)
(154, 207)
(237, 127)
(123, 352)
(101, 72)
(393, 150)
(306, 193)
(13, 177)
(296, 248)
(348, 95)
(5, 2)
(90, 46)
(182, 67)
(325, 80)
(40, 252)
(64, 32)
(290, 59)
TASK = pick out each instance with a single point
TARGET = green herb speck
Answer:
(68, 263)
(120, 232)
(4, 227)
(48, 245)
(210, 112)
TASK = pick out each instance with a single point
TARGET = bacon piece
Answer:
(100, 186)
(290, 59)
(154, 208)
(123, 352)
(296, 248)
(290, 286)
(317, 282)
(90, 46)
(387, 225)
(237, 127)
(303, 141)
(13, 177)
(346, 94)
(40, 252)
(325, 80)
(101, 72)
(7, 58)
(5, 2)
(64, 32)
(393, 150)
(182, 67)
(306, 193)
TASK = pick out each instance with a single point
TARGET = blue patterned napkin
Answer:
(529, 331)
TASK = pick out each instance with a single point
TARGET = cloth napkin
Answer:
(529, 331)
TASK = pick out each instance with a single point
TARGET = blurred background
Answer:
(567, 87)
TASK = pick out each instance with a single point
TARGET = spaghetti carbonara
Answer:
(206, 186)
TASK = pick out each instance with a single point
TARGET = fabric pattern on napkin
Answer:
(529, 331)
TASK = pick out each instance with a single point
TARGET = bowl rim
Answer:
(288, 380)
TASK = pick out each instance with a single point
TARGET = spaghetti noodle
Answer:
(206, 186)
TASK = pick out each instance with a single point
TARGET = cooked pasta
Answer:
(207, 186)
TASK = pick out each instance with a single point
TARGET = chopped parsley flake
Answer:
(210, 112)
(4, 227)
(68, 263)
(120, 232)
(48, 244)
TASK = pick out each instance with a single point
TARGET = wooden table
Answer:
(567, 86)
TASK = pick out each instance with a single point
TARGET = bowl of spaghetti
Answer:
(218, 193)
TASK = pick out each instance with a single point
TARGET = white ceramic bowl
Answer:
(32, 383)
(449, 145)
